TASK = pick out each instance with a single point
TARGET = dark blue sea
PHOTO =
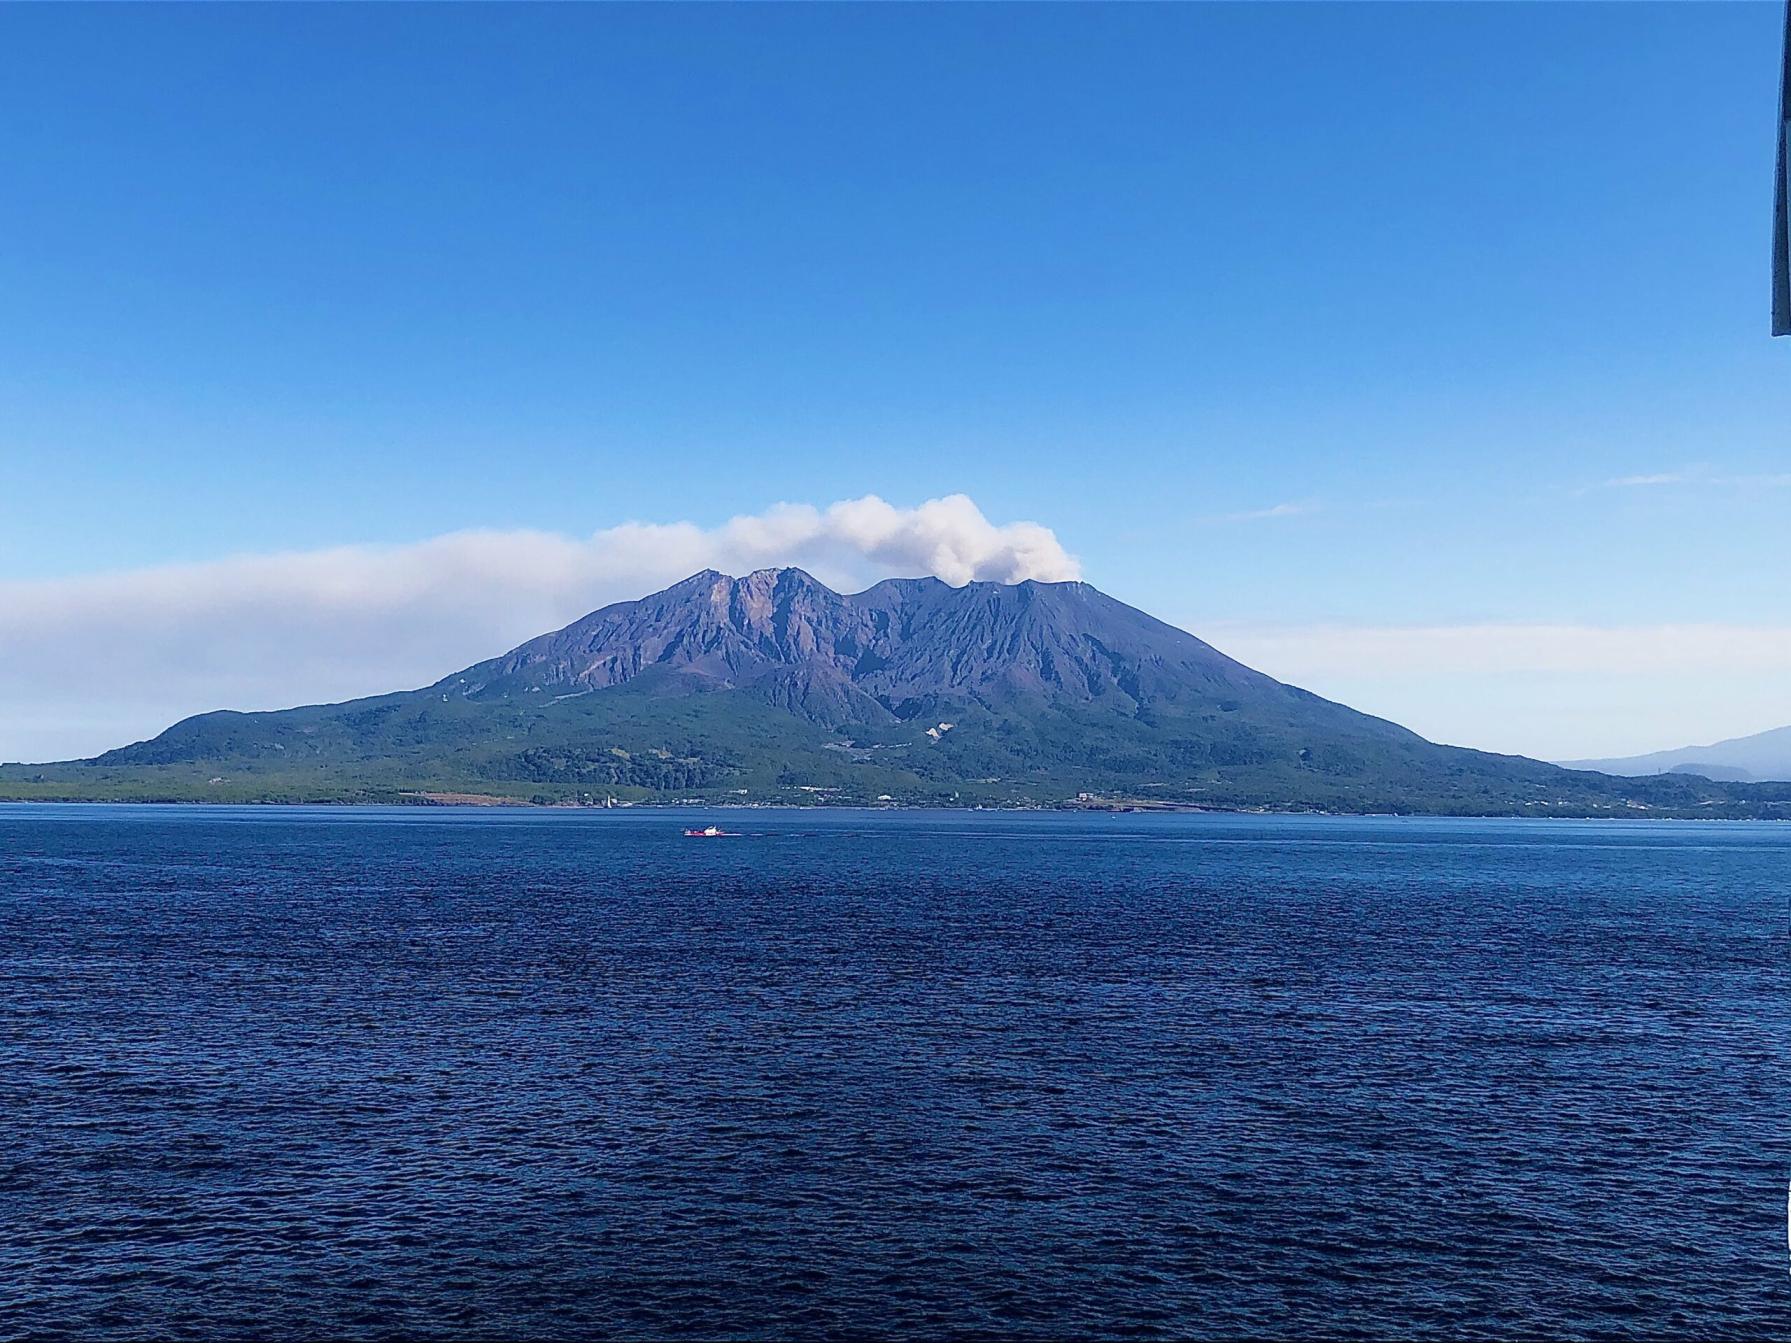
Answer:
(463, 1074)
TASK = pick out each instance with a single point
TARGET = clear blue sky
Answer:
(1423, 278)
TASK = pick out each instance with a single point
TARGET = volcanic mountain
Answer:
(774, 687)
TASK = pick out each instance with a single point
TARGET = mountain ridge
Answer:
(1760, 757)
(736, 629)
(773, 687)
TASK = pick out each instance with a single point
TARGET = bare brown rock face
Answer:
(833, 657)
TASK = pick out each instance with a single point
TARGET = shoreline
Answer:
(515, 805)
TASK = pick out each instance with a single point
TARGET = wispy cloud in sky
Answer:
(1647, 481)
(1694, 476)
(89, 663)
(1283, 510)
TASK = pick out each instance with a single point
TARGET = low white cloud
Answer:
(1436, 649)
(93, 662)
(1555, 691)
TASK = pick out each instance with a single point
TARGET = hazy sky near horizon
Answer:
(1414, 353)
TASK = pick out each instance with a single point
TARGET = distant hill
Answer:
(775, 688)
(1763, 756)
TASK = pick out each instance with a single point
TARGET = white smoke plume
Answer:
(94, 662)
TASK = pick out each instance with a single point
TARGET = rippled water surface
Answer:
(456, 1074)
